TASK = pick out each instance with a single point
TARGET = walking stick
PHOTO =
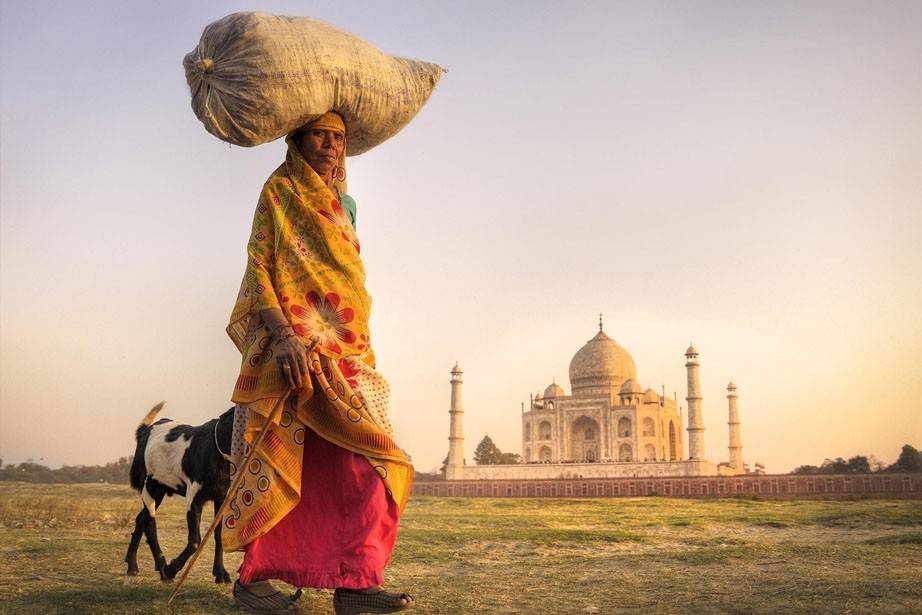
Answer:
(232, 492)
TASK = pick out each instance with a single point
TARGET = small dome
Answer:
(630, 386)
(692, 351)
(553, 390)
(731, 386)
(650, 396)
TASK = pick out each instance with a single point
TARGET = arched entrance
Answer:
(584, 440)
(625, 453)
(649, 427)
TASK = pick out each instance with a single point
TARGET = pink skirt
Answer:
(340, 534)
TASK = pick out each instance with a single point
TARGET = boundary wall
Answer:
(877, 485)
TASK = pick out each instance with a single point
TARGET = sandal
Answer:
(373, 600)
(271, 603)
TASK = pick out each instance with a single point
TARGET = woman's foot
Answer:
(371, 600)
(261, 597)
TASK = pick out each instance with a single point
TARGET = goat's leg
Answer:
(155, 493)
(218, 570)
(140, 524)
(193, 518)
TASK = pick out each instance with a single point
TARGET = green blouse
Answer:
(348, 204)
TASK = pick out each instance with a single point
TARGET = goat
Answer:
(172, 458)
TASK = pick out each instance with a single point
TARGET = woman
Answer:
(320, 503)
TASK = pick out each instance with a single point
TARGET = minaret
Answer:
(454, 469)
(736, 443)
(695, 420)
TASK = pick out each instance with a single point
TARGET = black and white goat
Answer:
(172, 458)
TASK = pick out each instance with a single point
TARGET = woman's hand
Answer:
(291, 356)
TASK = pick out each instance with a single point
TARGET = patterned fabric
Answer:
(239, 447)
(340, 534)
(371, 388)
(304, 260)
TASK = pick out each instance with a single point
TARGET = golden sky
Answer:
(745, 177)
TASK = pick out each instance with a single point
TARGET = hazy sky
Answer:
(744, 175)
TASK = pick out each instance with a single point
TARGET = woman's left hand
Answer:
(291, 356)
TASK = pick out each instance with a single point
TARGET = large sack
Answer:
(256, 77)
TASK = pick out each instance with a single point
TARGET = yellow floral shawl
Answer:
(304, 259)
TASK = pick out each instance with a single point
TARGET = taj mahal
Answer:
(609, 426)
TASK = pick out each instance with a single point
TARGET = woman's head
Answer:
(323, 143)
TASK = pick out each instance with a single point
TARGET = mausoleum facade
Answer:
(608, 426)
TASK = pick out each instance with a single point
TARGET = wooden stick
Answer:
(232, 491)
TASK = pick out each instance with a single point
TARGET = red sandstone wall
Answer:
(770, 485)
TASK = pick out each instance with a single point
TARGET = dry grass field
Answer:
(61, 550)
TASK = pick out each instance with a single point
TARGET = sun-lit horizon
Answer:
(744, 177)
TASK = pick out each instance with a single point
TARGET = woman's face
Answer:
(321, 148)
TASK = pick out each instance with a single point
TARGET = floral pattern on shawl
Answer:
(338, 216)
(324, 320)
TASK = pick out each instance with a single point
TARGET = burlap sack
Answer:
(255, 77)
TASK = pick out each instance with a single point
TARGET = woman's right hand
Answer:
(291, 356)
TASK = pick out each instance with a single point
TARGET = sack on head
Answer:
(255, 77)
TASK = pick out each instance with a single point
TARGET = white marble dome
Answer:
(601, 363)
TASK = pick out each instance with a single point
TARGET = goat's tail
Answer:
(138, 473)
(151, 416)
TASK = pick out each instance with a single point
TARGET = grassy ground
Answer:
(61, 550)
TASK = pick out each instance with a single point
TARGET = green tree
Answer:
(444, 465)
(834, 466)
(858, 463)
(487, 453)
(910, 460)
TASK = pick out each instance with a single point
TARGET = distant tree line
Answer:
(115, 472)
(486, 453)
(910, 460)
(428, 476)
